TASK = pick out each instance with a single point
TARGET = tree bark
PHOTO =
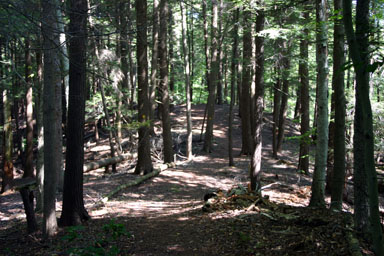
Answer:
(247, 147)
(213, 75)
(338, 177)
(163, 54)
(52, 115)
(187, 83)
(235, 37)
(304, 106)
(318, 182)
(155, 60)
(74, 212)
(259, 107)
(144, 162)
(367, 215)
(28, 171)
(286, 64)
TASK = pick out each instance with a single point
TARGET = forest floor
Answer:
(166, 215)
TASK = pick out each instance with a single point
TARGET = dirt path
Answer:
(164, 214)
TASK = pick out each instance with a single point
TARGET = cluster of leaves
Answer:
(104, 244)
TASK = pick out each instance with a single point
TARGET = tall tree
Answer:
(304, 98)
(367, 215)
(246, 147)
(155, 60)
(213, 77)
(52, 114)
(28, 171)
(7, 178)
(259, 107)
(187, 82)
(338, 176)
(318, 182)
(285, 66)
(163, 54)
(144, 162)
(74, 212)
(235, 36)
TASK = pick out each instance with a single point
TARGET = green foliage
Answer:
(105, 242)
(378, 125)
(306, 137)
(73, 233)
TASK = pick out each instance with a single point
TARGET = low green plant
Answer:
(104, 242)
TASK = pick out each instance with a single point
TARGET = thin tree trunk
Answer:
(259, 107)
(304, 83)
(276, 109)
(247, 147)
(110, 132)
(28, 171)
(235, 37)
(163, 54)
(154, 62)
(318, 183)
(212, 81)
(286, 64)
(187, 83)
(40, 130)
(8, 143)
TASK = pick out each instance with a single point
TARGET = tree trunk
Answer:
(28, 171)
(212, 81)
(7, 178)
(235, 36)
(187, 83)
(304, 106)
(163, 54)
(367, 215)
(74, 212)
(247, 147)
(286, 64)
(40, 129)
(144, 162)
(52, 115)
(259, 107)
(154, 62)
(338, 177)
(276, 109)
(318, 183)
(206, 45)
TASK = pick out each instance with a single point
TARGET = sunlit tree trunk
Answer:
(52, 114)
(318, 182)
(235, 36)
(259, 107)
(154, 61)
(286, 64)
(213, 75)
(28, 171)
(187, 83)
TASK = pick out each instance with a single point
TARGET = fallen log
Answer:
(104, 162)
(159, 168)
